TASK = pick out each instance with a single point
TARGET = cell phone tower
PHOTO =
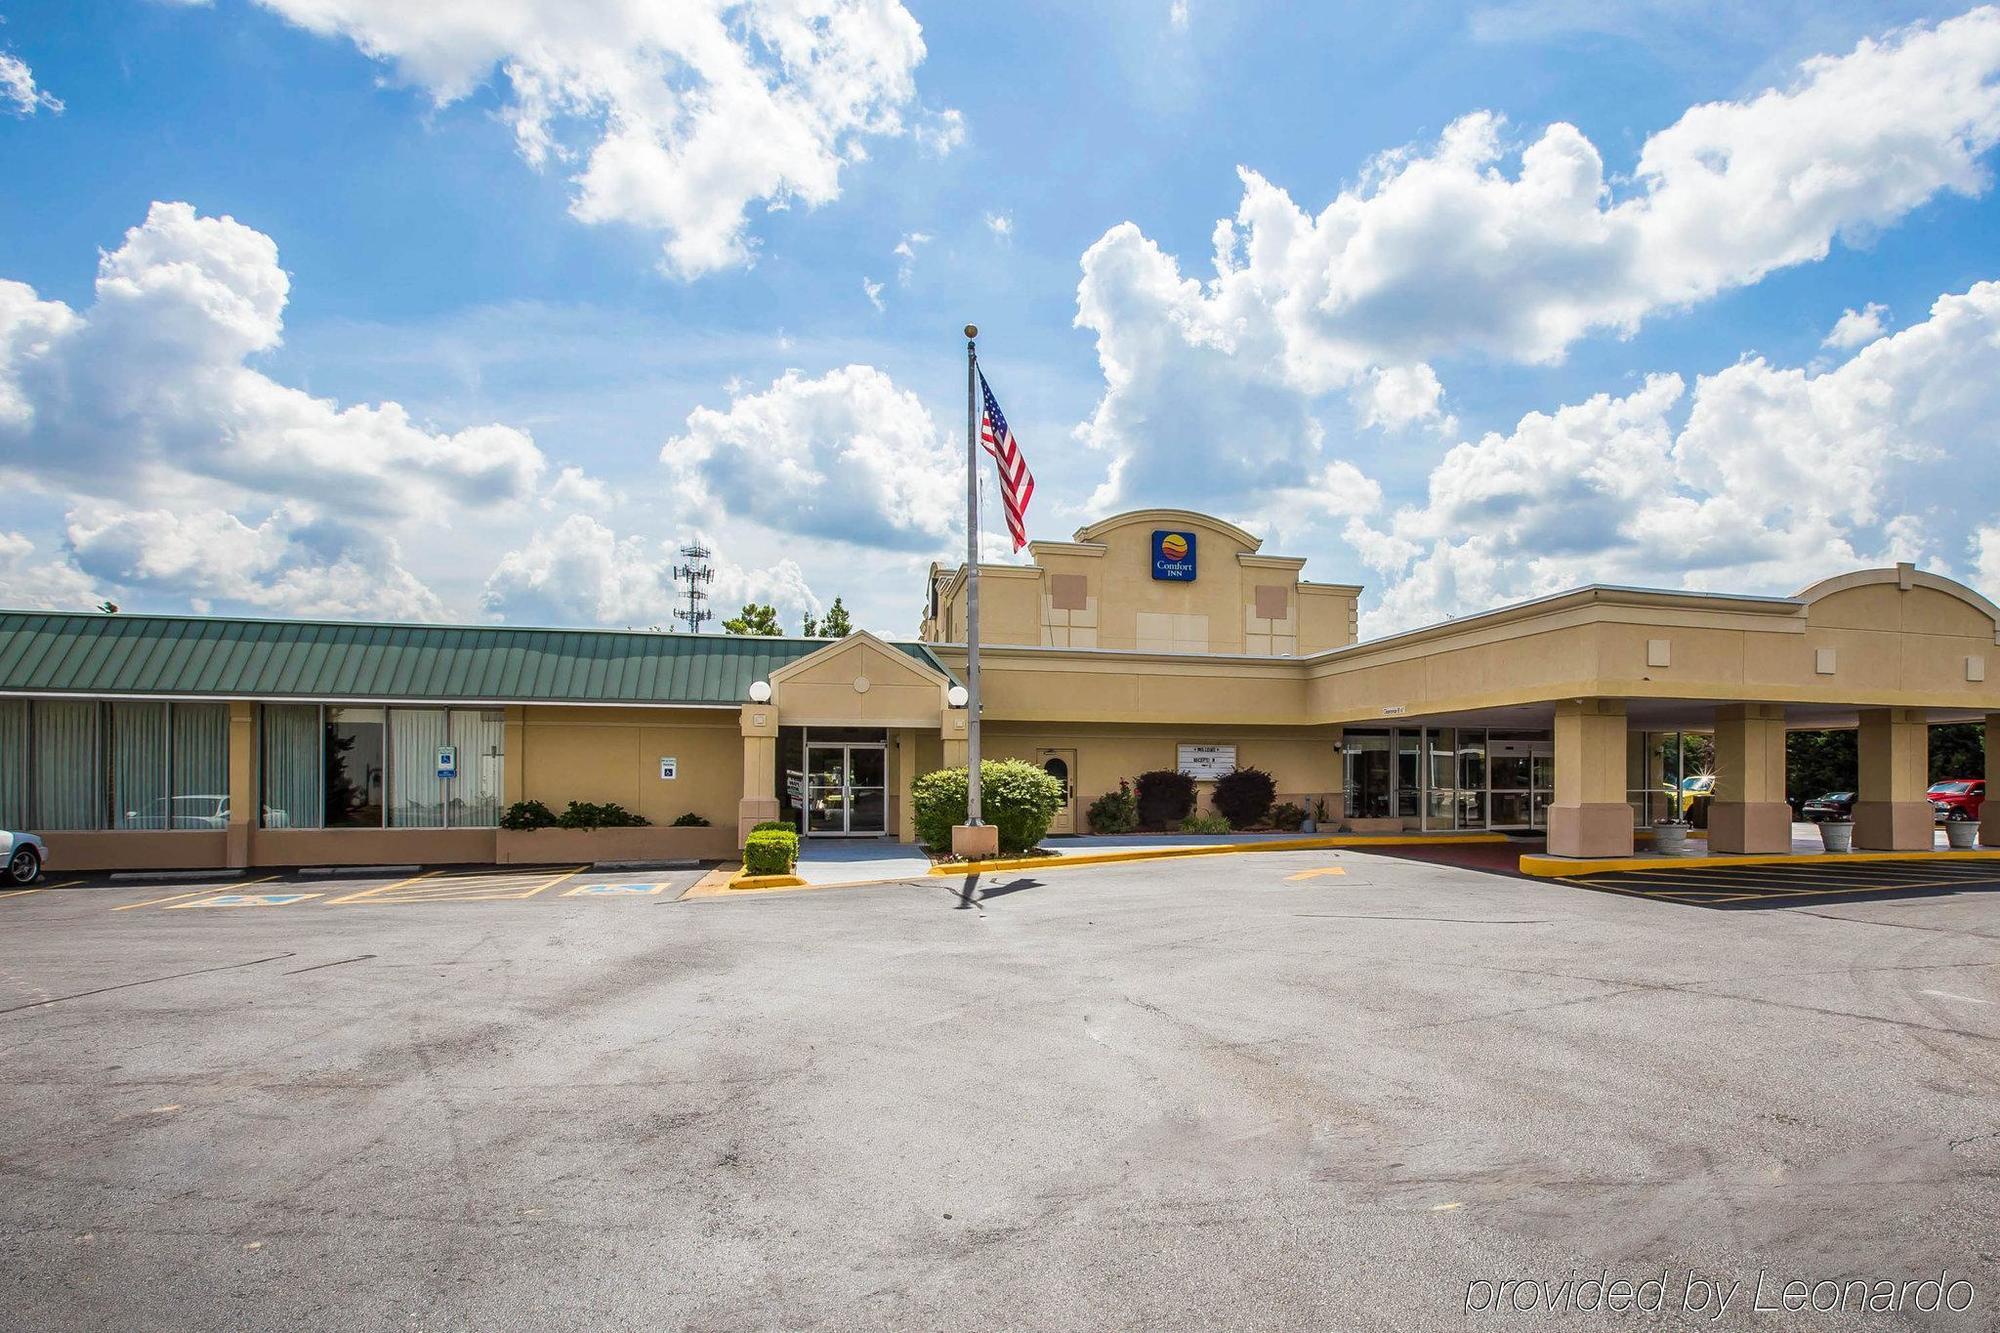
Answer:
(694, 576)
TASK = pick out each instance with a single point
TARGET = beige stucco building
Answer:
(1155, 639)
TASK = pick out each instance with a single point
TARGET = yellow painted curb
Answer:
(766, 882)
(1563, 867)
(1356, 840)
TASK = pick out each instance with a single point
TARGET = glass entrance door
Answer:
(847, 791)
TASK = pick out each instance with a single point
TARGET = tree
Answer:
(1958, 750)
(755, 619)
(833, 625)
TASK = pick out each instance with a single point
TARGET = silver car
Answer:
(26, 855)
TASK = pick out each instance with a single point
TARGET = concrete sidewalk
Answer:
(828, 861)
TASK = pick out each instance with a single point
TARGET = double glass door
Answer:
(847, 790)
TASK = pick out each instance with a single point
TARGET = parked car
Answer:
(26, 855)
(1833, 805)
(1957, 799)
(1693, 787)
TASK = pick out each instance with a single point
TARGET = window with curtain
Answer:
(417, 793)
(200, 778)
(479, 735)
(68, 765)
(292, 772)
(139, 766)
(13, 763)
(355, 776)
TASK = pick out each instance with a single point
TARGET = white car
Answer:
(26, 855)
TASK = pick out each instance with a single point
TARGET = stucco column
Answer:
(1590, 816)
(760, 769)
(1749, 812)
(514, 754)
(244, 804)
(952, 727)
(904, 777)
(1890, 812)
(1989, 813)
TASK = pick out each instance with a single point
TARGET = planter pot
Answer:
(1837, 835)
(1310, 826)
(1961, 835)
(1670, 839)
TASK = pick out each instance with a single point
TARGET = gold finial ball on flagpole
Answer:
(972, 330)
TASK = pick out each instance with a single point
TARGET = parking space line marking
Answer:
(40, 888)
(383, 888)
(245, 900)
(15, 893)
(567, 874)
(192, 893)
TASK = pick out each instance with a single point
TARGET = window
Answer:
(343, 767)
(292, 767)
(355, 778)
(200, 778)
(139, 766)
(68, 765)
(13, 763)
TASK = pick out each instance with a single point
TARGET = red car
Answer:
(1957, 798)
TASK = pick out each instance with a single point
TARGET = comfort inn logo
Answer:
(1173, 556)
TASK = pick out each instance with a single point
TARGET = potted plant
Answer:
(1315, 817)
(1670, 837)
(1837, 835)
(1961, 835)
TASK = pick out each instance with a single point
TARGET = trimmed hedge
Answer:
(1166, 797)
(771, 851)
(524, 815)
(1115, 811)
(781, 825)
(1016, 797)
(1243, 796)
(590, 814)
(1288, 817)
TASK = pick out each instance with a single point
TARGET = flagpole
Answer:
(972, 818)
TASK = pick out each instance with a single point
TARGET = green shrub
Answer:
(1243, 796)
(782, 825)
(690, 820)
(528, 815)
(590, 815)
(1016, 797)
(1166, 797)
(770, 851)
(1288, 817)
(1115, 811)
(1204, 824)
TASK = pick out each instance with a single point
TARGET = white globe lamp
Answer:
(760, 691)
(957, 697)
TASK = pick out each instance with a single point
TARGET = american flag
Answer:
(1017, 484)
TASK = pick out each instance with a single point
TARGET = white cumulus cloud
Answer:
(582, 572)
(1857, 328)
(1479, 245)
(186, 471)
(1777, 476)
(847, 455)
(679, 115)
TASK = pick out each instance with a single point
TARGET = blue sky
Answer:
(503, 380)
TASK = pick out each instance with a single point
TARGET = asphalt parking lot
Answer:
(1307, 1089)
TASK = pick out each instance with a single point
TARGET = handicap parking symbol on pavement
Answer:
(249, 900)
(615, 890)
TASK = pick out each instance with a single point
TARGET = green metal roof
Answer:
(318, 659)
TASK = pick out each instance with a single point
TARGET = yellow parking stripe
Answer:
(383, 888)
(196, 893)
(567, 874)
